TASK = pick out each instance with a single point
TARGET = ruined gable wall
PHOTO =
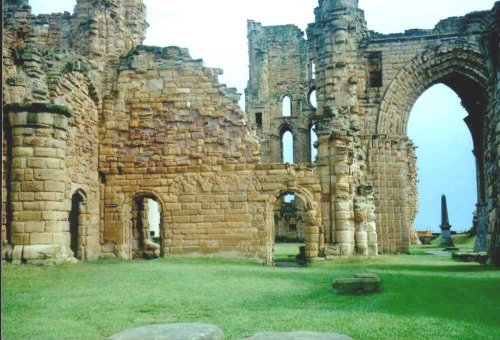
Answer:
(170, 110)
(175, 134)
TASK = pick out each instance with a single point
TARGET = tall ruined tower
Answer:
(108, 27)
(57, 69)
(335, 40)
(278, 93)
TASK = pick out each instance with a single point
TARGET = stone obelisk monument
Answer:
(445, 226)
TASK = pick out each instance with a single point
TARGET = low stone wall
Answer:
(206, 210)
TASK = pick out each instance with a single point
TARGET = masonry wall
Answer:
(74, 91)
(218, 209)
(176, 135)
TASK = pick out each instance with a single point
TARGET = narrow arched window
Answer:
(286, 106)
(313, 139)
(287, 147)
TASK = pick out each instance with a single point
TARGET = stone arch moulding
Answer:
(284, 127)
(312, 221)
(77, 67)
(133, 201)
(432, 66)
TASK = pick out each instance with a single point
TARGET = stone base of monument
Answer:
(360, 284)
(298, 336)
(480, 257)
(172, 331)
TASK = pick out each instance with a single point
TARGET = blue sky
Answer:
(216, 32)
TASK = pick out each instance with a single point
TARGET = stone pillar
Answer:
(39, 218)
(344, 219)
(312, 231)
(480, 223)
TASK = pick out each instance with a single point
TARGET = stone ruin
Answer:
(96, 125)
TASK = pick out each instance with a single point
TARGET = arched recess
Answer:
(141, 242)
(74, 65)
(78, 217)
(460, 66)
(313, 229)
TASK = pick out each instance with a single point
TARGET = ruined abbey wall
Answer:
(366, 85)
(97, 124)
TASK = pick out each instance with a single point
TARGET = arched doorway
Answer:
(289, 229)
(292, 217)
(76, 218)
(463, 69)
(147, 234)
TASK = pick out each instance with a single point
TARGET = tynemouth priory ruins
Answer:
(96, 126)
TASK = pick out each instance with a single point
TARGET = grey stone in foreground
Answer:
(171, 331)
(481, 257)
(298, 336)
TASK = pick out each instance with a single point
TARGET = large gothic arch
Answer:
(460, 66)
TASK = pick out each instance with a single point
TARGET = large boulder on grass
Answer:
(360, 284)
(171, 331)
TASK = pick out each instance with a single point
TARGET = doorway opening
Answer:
(146, 228)
(289, 229)
(75, 223)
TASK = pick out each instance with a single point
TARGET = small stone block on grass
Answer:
(360, 284)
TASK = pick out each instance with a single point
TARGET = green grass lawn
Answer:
(286, 251)
(422, 297)
(463, 242)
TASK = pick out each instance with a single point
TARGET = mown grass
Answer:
(463, 242)
(286, 251)
(422, 297)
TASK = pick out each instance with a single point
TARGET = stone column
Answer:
(39, 221)
(312, 230)
(344, 219)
